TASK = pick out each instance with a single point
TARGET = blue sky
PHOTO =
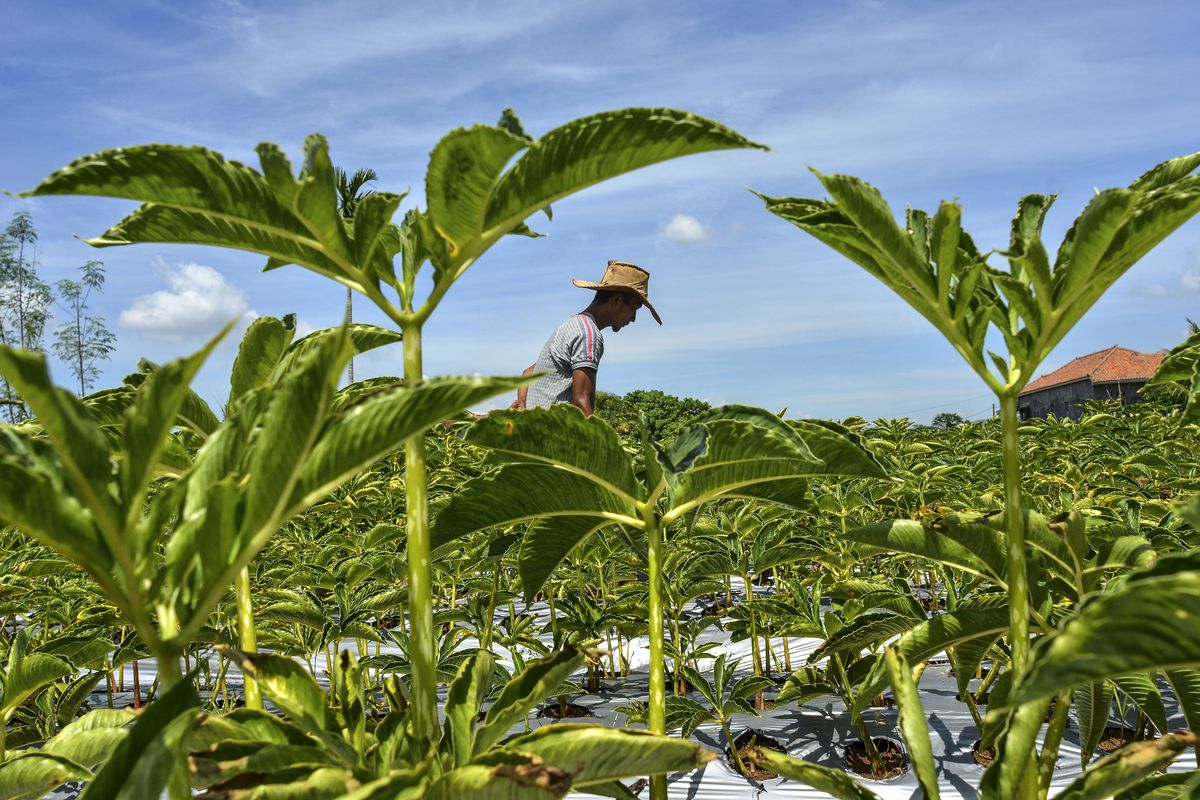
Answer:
(982, 102)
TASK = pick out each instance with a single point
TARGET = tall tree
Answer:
(83, 340)
(24, 300)
(351, 191)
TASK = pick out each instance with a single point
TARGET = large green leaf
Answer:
(505, 497)
(80, 443)
(1171, 786)
(928, 541)
(145, 760)
(465, 696)
(595, 148)
(912, 721)
(33, 774)
(1144, 625)
(289, 686)
(505, 781)
(527, 688)
(562, 437)
(833, 782)
(463, 168)
(30, 674)
(548, 541)
(1143, 691)
(194, 196)
(1125, 767)
(375, 427)
(1186, 684)
(1092, 706)
(89, 740)
(596, 754)
(263, 345)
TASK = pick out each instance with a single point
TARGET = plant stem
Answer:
(1018, 588)
(657, 716)
(1054, 734)
(420, 574)
(247, 635)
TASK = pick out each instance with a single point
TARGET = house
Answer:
(1113, 374)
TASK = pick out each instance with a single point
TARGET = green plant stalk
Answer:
(1054, 734)
(420, 572)
(486, 644)
(1018, 583)
(737, 757)
(657, 716)
(247, 635)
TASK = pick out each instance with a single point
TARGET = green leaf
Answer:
(149, 421)
(547, 542)
(402, 785)
(833, 782)
(502, 498)
(912, 721)
(30, 675)
(463, 168)
(506, 781)
(1144, 625)
(1143, 691)
(595, 148)
(144, 761)
(1004, 775)
(562, 437)
(595, 754)
(1171, 786)
(33, 774)
(804, 685)
(77, 439)
(1125, 767)
(289, 686)
(1092, 705)
(377, 426)
(90, 739)
(526, 689)
(463, 700)
(926, 541)
(262, 347)
(1088, 240)
(1186, 685)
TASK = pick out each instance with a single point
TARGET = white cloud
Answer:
(1190, 280)
(686, 229)
(198, 301)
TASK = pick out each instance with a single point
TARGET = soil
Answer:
(716, 609)
(1115, 738)
(745, 742)
(883, 701)
(554, 711)
(980, 700)
(982, 757)
(929, 604)
(893, 757)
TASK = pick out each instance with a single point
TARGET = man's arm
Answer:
(583, 389)
(523, 392)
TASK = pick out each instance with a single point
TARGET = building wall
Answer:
(1064, 400)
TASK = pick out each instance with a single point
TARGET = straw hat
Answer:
(621, 276)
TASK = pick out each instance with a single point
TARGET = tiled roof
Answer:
(1107, 366)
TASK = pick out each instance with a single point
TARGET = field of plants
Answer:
(320, 590)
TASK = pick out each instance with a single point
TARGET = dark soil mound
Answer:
(891, 755)
(745, 742)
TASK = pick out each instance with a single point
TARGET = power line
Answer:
(944, 405)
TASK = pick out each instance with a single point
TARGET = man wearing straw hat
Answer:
(571, 356)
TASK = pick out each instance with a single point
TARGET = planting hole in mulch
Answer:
(745, 742)
(883, 701)
(718, 608)
(980, 700)
(556, 711)
(982, 757)
(1115, 738)
(892, 758)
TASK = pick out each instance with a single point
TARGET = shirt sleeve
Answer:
(586, 346)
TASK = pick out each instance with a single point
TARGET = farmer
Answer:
(572, 355)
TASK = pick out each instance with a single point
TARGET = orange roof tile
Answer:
(1106, 366)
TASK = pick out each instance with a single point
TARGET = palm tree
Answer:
(350, 193)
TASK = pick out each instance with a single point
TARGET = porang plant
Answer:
(482, 183)
(1145, 624)
(586, 482)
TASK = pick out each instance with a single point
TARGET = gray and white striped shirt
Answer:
(577, 344)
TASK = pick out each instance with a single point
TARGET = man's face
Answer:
(625, 308)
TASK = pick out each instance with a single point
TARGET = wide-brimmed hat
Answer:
(621, 276)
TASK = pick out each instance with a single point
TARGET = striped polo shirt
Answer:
(577, 344)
